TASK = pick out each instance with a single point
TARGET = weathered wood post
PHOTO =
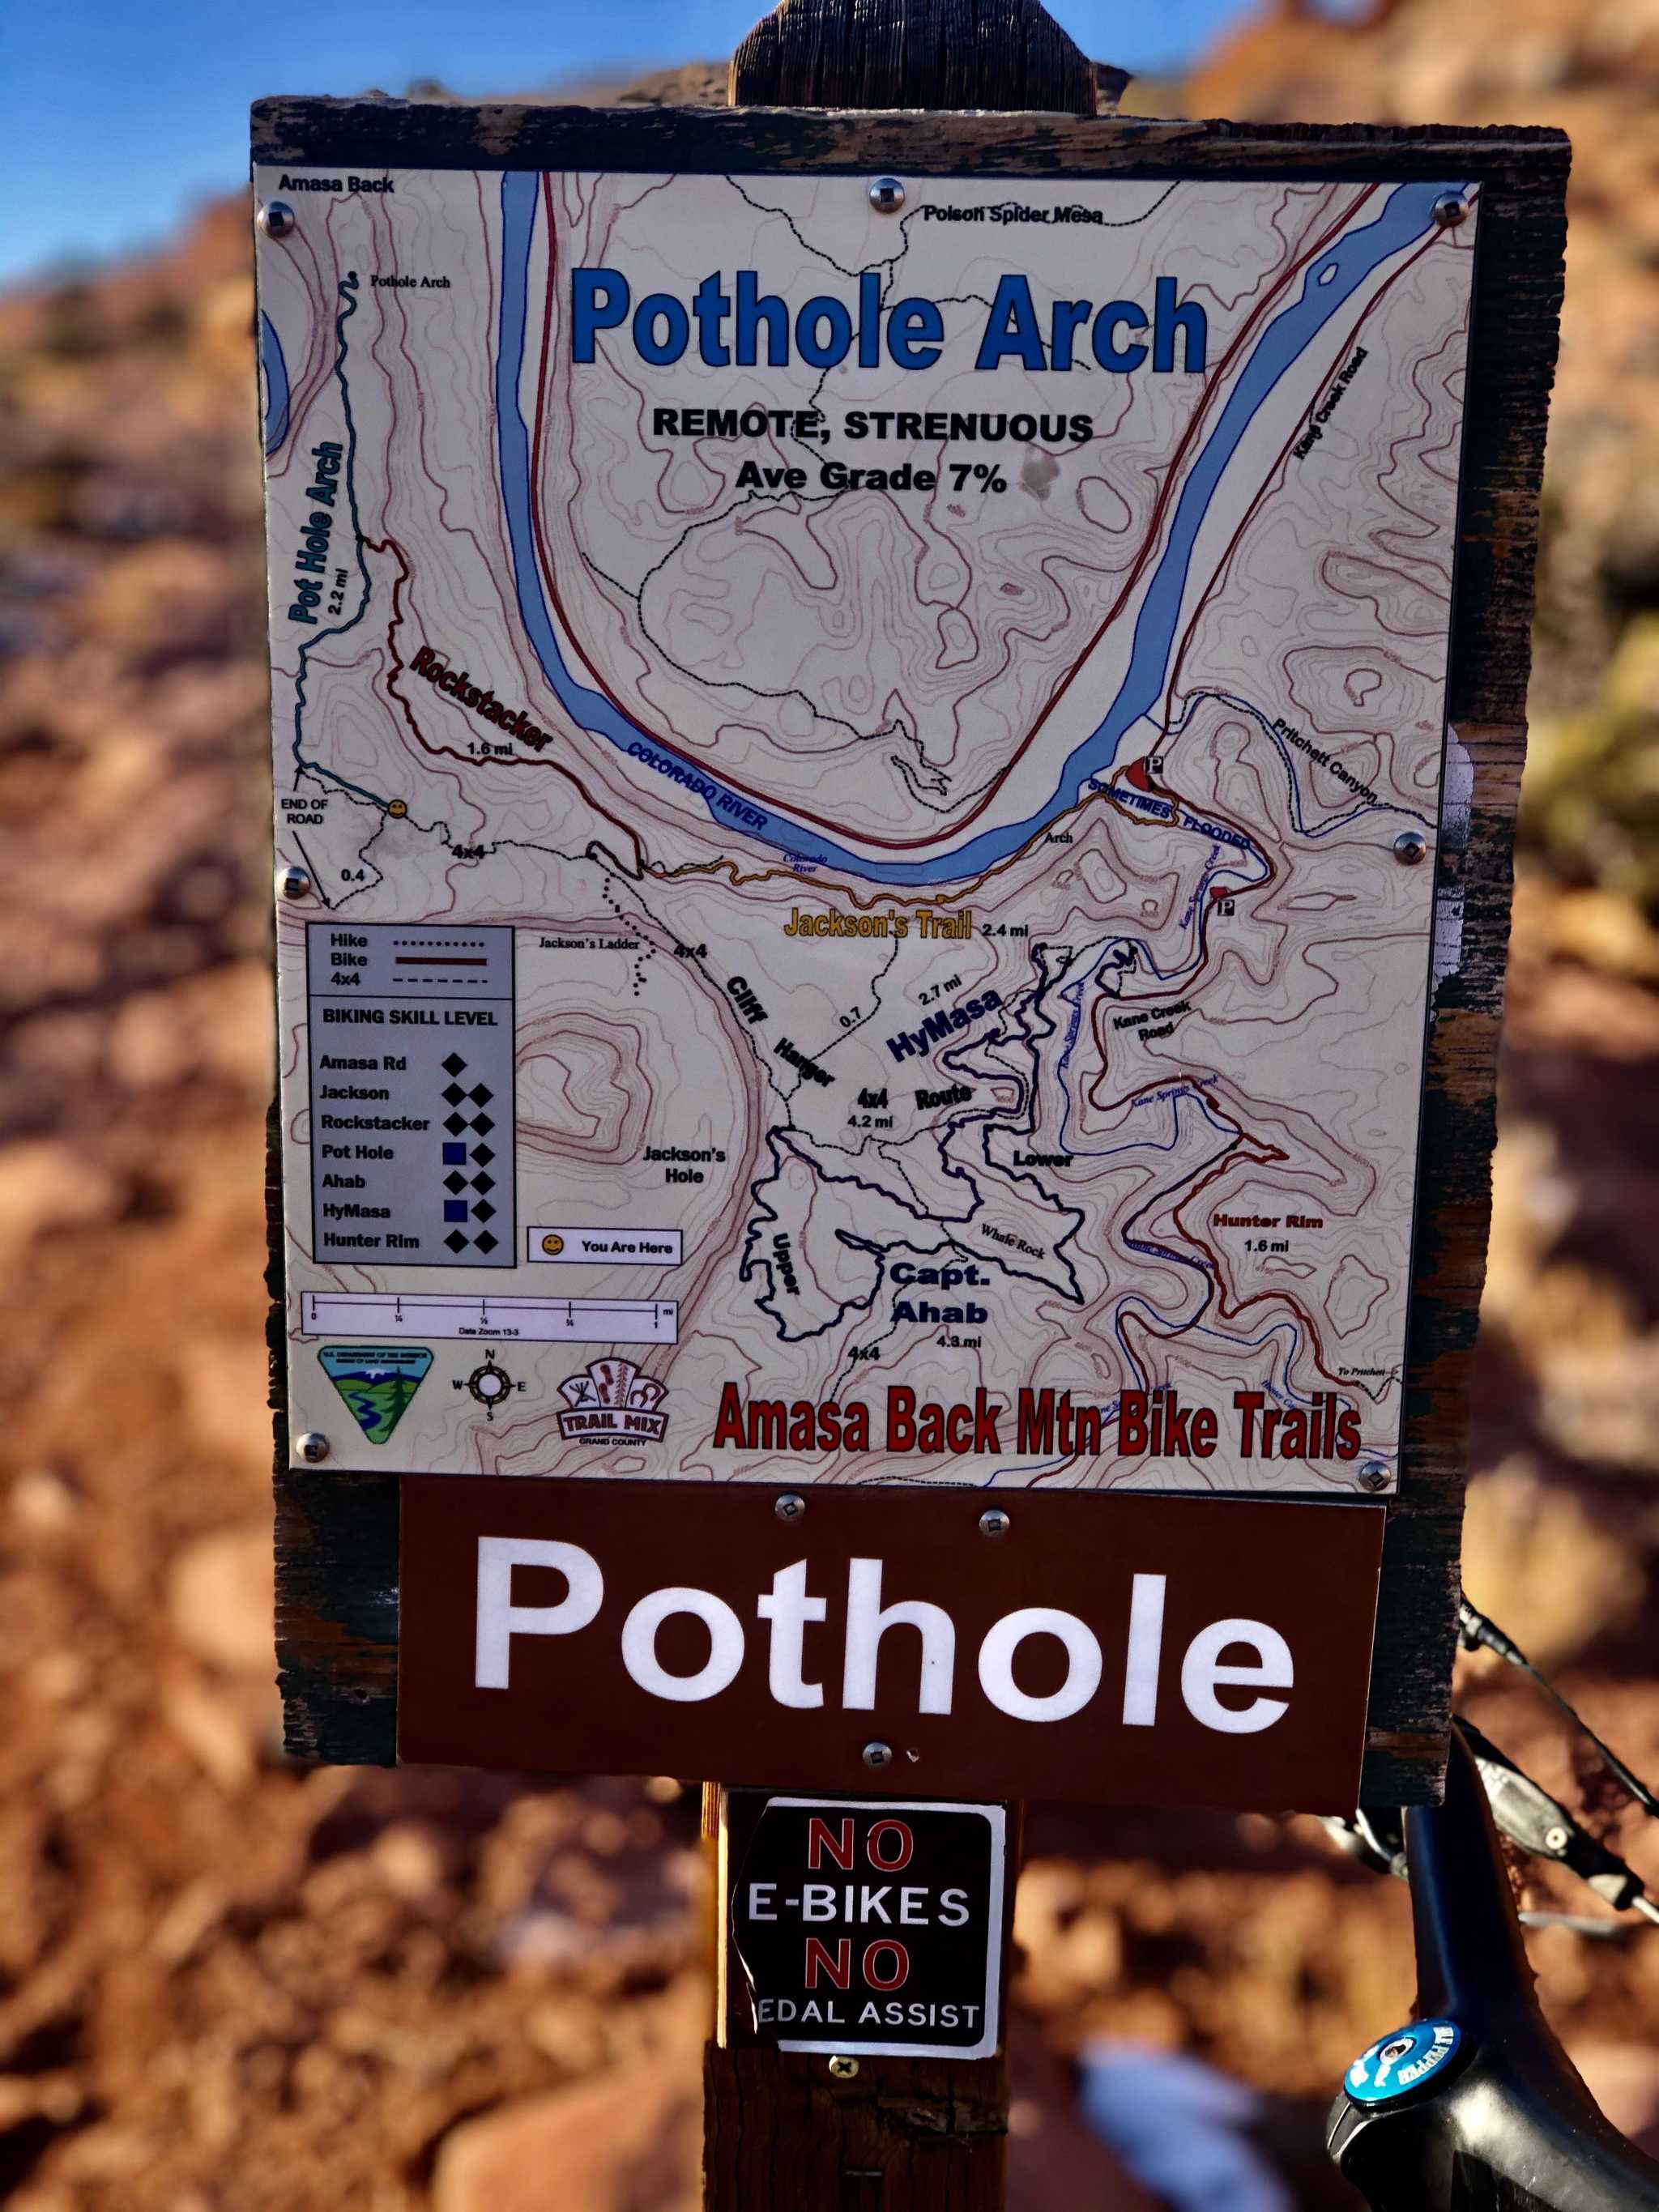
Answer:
(783, 2133)
(879, 2133)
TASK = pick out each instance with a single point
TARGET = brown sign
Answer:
(1127, 1649)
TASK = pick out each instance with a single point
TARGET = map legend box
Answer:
(412, 1108)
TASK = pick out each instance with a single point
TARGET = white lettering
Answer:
(639, 1644)
(499, 1621)
(1201, 1671)
(789, 1609)
(1145, 1651)
(996, 1664)
(867, 1623)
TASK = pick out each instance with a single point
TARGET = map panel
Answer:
(893, 749)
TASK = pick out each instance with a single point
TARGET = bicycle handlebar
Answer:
(1478, 2108)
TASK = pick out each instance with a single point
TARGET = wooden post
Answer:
(1009, 56)
(781, 2132)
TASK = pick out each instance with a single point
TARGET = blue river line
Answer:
(275, 369)
(1407, 215)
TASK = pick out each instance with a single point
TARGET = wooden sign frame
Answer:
(337, 1533)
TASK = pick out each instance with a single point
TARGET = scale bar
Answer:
(496, 1320)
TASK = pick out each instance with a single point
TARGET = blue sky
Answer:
(121, 115)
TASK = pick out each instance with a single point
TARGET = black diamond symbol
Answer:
(480, 1096)
(486, 1242)
(455, 1124)
(482, 1154)
(484, 1210)
(453, 1094)
(483, 1182)
(454, 1064)
(482, 1124)
(455, 1181)
(455, 1240)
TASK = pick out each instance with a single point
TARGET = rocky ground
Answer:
(227, 1983)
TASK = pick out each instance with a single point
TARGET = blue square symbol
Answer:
(454, 1156)
(454, 1209)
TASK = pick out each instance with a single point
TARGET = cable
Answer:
(1581, 1924)
(1475, 1631)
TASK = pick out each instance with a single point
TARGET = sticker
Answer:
(1402, 2061)
(376, 1381)
(861, 1924)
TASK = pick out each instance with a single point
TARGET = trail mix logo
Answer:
(612, 1403)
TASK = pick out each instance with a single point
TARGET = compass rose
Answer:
(489, 1384)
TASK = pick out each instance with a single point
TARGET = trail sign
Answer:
(894, 743)
(863, 1924)
(1191, 1656)
(916, 763)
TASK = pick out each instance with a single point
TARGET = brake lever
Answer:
(1526, 1813)
(1541, 1825)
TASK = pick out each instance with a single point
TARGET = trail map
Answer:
(851, 767)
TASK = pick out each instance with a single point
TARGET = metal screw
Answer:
(312, 1447)
(278, 218)
(1410, 846)
(1449, 209)
(1374, 1478)
(993, 1521)
(1556, 1839)
(293, 882)
(843, 2068)
(877, 1754)
(887, 196)
(789, 1505)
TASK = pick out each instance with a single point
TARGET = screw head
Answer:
(313, 1447)
(1449, 209)
(1410, 846)
(843, 2067)
(993, 1521)
(277, 219)
(887, 196)
(1374, 1478)
(877, 1754)
(293, 882)
(789, 1505)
